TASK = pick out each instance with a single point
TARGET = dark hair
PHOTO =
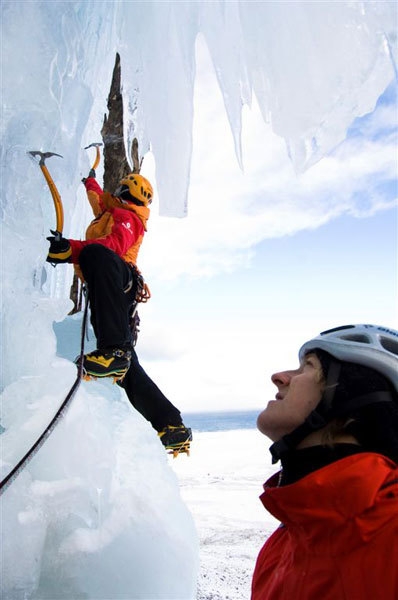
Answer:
(373, 424)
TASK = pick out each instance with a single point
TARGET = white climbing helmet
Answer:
(369, 345)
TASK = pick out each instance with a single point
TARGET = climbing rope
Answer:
(58, 415)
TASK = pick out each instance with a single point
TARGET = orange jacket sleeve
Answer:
(94, 191)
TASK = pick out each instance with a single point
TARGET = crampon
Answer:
(182, 449)
(115, 378)
(106, 363)
(176, 439)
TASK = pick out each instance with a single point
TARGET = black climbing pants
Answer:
(108, 279)
(108, 276)
(147, 398)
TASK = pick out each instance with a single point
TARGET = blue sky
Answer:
(320, 265)
(267, 257)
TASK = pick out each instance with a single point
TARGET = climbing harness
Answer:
(142, 294)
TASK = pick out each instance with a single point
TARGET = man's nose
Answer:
(281, 378)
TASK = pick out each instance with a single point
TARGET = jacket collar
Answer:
(109, 202)
(296, 464)
(334, 501)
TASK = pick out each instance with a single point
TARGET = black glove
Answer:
(60, 250)
(91, 174)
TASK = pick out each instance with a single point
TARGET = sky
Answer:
(266, 258)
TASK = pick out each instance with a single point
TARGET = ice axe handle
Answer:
(51, 185)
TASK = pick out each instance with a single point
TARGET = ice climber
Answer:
(107, 262)
(334, 427)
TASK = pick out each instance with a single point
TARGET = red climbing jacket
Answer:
(339, 534)
(118, 226)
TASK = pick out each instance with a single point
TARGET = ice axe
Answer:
(96, 145)
(59, 211)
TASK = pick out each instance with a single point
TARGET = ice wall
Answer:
(314, 67)
(97, 514)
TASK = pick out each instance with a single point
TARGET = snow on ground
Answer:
(221, 482)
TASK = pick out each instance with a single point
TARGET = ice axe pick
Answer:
(96, 145)
(59, 211)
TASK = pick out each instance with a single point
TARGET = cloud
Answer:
(230, 211)
(158, 342)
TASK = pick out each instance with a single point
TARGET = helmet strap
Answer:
(332, 380)
(313, 422)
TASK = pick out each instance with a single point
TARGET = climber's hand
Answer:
(60, 250)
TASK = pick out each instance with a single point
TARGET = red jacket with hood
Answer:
(118, 226)
(339, 538)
